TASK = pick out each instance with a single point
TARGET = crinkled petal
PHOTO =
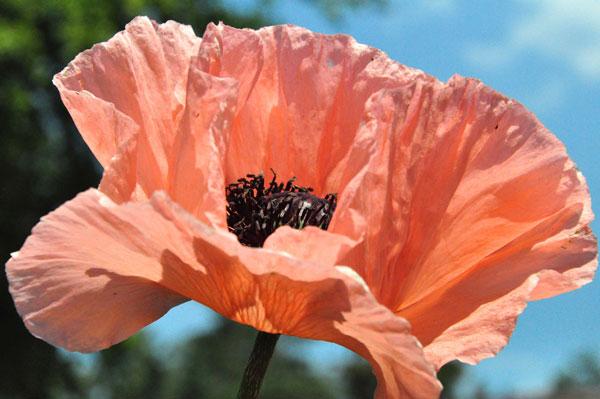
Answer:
(484, 332)
(134, 83)
(86, 278)
(195, 175)
(369, 329)
(294, 295)
(547, 269)
(302, 96)
(477, 197)
(94, 272)
(153, 119)
(196, 178)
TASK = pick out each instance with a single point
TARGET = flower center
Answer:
(255, 211)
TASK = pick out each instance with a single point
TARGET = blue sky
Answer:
(545, 54)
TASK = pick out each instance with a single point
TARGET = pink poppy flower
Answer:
(455, 206)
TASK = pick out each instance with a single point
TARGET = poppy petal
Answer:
(195, 177)
(278, 293)
(486, 330)
(301, 93)
(174, 136)
(368, 328)
(86, 279)
(135, 83)
(94, 271)
(559, 264)
(478, 197)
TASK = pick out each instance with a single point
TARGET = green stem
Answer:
(264, 346)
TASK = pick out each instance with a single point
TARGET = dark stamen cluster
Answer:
(254, 210)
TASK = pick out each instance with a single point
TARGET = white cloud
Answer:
(565, 31)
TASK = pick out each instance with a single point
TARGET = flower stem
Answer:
(264, 346)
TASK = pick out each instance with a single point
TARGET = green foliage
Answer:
(211, 367)
(204, 367)
(360, 380)
(128, 370)
(448, 376)
(580, 379)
